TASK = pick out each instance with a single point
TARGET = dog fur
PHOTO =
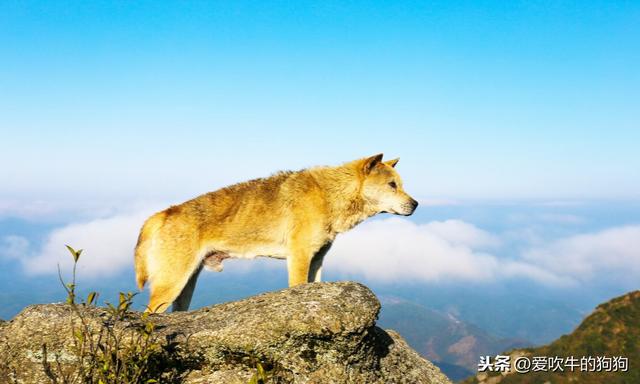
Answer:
(290, 215)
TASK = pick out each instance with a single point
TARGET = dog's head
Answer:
(382, 187)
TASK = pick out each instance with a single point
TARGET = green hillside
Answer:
(612, 330)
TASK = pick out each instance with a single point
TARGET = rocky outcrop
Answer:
(314, 333)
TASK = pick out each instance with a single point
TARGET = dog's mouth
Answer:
(407, 209)
(398, 213)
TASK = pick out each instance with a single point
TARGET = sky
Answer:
(516, 124)
(165, 100)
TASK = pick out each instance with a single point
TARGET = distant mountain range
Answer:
(519, 311)
(449, 342)
(610, 332)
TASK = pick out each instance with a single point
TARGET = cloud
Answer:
(460, 233)
(108, 245)
(392, 249)
(395, 249)
(381, 249)
(587, 256)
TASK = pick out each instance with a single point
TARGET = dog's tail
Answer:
(144, 243)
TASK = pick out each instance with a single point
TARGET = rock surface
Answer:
(314, 333)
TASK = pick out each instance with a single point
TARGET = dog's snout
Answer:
(410, 206)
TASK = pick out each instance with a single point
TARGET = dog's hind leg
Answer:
(171, 275)
(181, 303)
(315, 269)
(166, 287)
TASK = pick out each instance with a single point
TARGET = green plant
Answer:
(265, 373)
(120, 348)
(260, 377)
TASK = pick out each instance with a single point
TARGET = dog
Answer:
(290, 215)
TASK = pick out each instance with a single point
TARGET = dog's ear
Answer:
(392, 163)
(371, 162)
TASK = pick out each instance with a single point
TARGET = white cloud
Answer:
(458, 232)
(108, 245)
(392, 249)
(396, 249)
(586, 256)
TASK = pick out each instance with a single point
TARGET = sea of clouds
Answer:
(388, 249)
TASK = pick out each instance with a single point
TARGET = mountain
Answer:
(612, 330)
(311, 333)
(450, 343)
(520, 310)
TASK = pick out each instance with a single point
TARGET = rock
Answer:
(314, 333)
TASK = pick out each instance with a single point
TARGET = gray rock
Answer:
(314, 333)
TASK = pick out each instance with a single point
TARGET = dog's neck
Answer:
(342, 186)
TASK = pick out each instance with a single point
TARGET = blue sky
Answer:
(110, 109)
(517, 125)
(504, 100)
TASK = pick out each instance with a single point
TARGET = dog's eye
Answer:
(393, 185)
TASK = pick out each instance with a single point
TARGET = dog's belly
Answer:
(213, 258)
(253, 255)
(258, 250)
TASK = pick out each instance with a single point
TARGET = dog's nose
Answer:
(410, 207)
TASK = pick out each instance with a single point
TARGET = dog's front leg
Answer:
(298, 264)
(302, 247)
(315, 269)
